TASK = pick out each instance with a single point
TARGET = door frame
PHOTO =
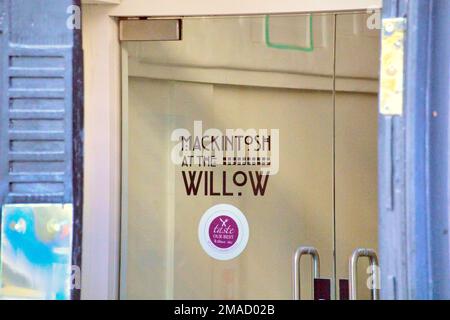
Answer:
(102, 58)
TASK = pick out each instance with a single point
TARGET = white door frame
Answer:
(101, 220)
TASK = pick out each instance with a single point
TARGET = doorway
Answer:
(300, 92)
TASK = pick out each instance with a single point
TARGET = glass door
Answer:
(356, 129)
(229, 158)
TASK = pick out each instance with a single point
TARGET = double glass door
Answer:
(247, 139)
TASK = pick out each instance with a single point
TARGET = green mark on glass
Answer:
(284, 46)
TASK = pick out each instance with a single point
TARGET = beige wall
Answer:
(102, 154)
(206, 7)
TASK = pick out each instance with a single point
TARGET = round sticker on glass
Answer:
(223, 232)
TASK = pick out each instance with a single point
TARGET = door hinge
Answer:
(146, 29)
(392, 66)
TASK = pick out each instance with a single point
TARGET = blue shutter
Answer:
(37, 102)
(41, 107)
(414, 161)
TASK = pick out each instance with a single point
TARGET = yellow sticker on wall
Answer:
(392, 60)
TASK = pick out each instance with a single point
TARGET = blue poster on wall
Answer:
(36, 247)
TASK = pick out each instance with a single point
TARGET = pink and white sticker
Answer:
(223, 232)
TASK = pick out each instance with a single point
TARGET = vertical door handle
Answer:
(301, 251)
(373, 259)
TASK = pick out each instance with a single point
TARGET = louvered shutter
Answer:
(41, 107)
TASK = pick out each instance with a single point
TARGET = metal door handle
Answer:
(301, 251)
(373, 259)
